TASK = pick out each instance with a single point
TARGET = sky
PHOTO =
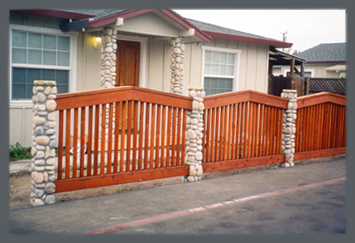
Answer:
(305, 28)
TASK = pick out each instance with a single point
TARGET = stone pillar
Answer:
(194, 134)
(177, 65)
(288, 127)
(108, 58)
(44, 143)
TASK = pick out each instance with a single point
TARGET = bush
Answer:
(17, 152)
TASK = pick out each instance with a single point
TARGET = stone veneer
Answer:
(288, 127)
(108, 58)
(44, 143)
(194, 134)
(177, 65)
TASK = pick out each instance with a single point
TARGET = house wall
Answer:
(318, 70)
(253, 66)
(20, 115)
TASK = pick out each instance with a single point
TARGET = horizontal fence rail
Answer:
(243, 125)
(128, 132)
(320, 125)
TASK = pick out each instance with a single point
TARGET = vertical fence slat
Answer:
(135, 135)
(103, 139)
(152, 133)
(213, 137)
(217, 139)
(75, 142)
(123, 133)
(237, 135)
(96, 143)
(60, 145)
(67, 144)
(146, 139)
(163, 134)
(222, 133)
(141, 136)
(233, 135)
(168, 138)
(157, 139)
(178, 139)
(173, 155)
(82, 141)
(117, 131)
(109, 139)
(129, 137)
(89, 150)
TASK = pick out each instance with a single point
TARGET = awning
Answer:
(277, 57)
(336, 68)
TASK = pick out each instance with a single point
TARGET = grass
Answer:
(17, 152)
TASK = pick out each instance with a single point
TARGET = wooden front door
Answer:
(127, 63)
(127, 73)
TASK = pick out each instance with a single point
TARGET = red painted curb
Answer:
(205, 208)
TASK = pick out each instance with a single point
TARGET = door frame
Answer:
(143, 55)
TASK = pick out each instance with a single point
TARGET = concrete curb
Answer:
(23, 167)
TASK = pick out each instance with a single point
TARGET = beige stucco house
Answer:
(66, 46)
(327, 60)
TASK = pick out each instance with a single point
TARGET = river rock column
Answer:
(44, 143)
(289, 127)
(194, 134)
(108, 58)
(177, 65)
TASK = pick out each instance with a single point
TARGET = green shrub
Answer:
(17, 152)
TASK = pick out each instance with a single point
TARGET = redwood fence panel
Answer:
(128, 134)
(134, 134)
(320, 126)
(240, 128)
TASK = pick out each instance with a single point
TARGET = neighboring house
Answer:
(322, 61)
(64, 45)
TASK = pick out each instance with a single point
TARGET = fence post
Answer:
(194, 134)
(289, 126)
(108, 58)
(44, 143)
(177, 65)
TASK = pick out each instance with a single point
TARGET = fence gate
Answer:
(133, 134)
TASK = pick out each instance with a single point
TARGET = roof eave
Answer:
(107, 20)
(110, 19)
(277, 44)
(55, 13)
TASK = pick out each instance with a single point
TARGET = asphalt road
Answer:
(305, 199)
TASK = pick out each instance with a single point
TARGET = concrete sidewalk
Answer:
(324, 204)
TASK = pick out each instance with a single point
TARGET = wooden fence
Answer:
(320, 126)
(135, 134)
(279, 83)
(142, 132)
(242, 129)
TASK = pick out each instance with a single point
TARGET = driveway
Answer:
(304, 199)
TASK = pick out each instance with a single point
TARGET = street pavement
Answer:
(307, 199)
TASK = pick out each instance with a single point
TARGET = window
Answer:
(219, 70)
(39, 54)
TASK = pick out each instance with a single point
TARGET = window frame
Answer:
(235, 77)
(20, 103)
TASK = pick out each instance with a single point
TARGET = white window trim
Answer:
(143, 56)
(71, 68)
(306, 70)
(236, 67)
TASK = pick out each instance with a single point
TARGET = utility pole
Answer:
(284, 39)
